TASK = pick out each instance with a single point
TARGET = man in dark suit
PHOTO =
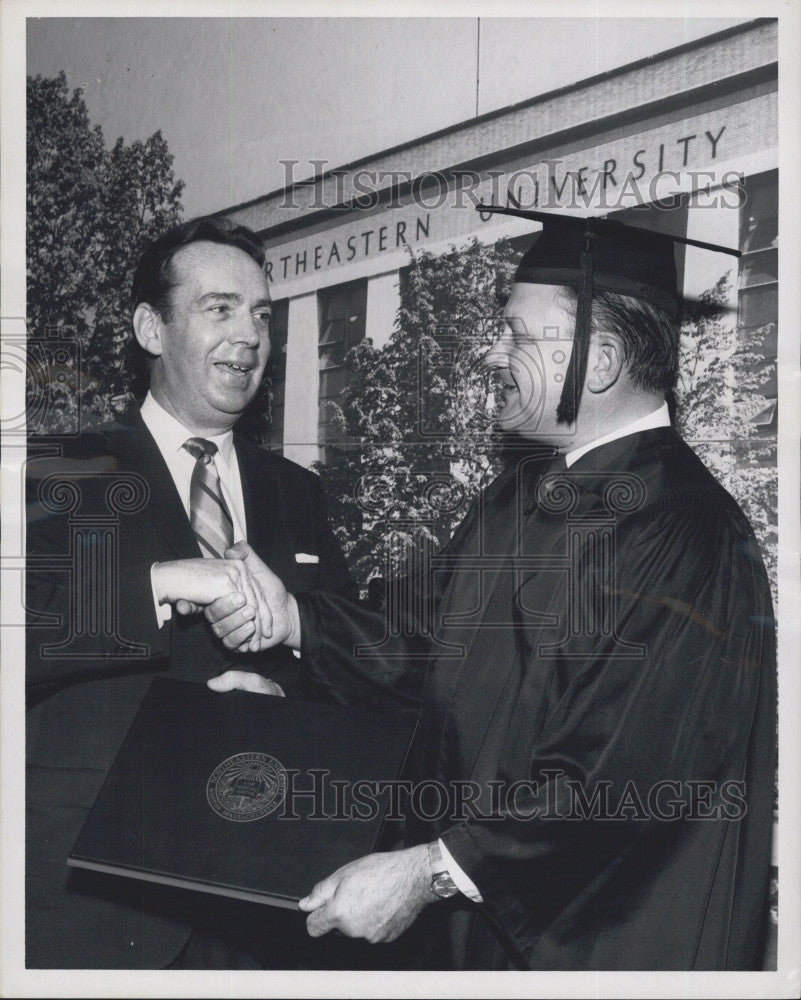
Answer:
(598, 707)
(121, 523)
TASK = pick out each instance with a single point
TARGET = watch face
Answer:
(443, 885)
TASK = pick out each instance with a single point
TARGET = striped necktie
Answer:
(208, 513)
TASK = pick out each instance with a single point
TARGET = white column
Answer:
(713, 217)
(302, 381)
(383, 300)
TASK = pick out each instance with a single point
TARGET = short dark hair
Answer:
(649, 334)
(153, 278)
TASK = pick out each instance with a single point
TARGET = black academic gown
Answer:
(102, 509)
(608, 645)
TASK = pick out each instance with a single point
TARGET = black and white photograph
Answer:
(400, 498)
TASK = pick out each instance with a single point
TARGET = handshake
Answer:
(246, 604)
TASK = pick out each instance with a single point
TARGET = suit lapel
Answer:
(136, 451)
(266, 527)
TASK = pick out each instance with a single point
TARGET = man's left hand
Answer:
(376, 897)
(245, 680)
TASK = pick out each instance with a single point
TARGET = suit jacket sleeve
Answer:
(85, 615)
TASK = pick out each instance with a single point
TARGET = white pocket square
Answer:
(304, 557)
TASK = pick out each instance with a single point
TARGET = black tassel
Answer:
(567, 411)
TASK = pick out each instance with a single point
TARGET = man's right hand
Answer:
(278, 620)
(200, 582)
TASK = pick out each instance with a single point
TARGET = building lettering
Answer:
(618, 178)
(551, 184)
(364, 244)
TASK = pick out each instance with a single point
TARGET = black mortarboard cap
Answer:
(597, 254)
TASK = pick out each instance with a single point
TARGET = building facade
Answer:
(684, 142)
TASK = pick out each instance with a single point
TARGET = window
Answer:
(758, 285)
(342, 325)
(759, 237)
(276, 370)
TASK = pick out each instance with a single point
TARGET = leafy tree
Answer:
(64, 161)
(724, 382)
(416, 412)
(90, 211)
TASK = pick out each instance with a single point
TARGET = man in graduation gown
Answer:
(597, 706)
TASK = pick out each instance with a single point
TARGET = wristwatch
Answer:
(442, 885)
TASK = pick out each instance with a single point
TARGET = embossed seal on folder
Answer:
(246, 787)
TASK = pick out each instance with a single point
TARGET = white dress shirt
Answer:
(170, 436)
(658, 418)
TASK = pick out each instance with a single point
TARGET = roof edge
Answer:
(500, 112)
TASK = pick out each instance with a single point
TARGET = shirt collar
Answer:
(658, 418)
(171, 435)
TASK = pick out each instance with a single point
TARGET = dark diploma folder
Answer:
(244, 795)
